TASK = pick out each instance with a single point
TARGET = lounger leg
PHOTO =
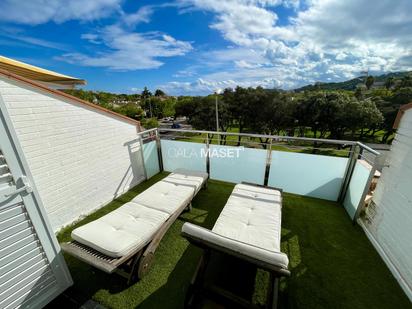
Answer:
(196, 284)
(272, 296)
(144, 264)
(133, 271)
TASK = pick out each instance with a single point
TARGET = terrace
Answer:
(332, 262)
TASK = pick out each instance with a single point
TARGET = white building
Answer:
(74, 175)
(60, 158)
(388, 218)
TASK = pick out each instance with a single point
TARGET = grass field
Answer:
(333, 265)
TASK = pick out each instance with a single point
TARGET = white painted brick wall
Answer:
(80, 158)
(391, 226)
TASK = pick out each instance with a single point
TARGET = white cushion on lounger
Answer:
(173, 191)
(116, 234)
(133, 225)
(187, 177)
(165, 196)
(277, 259)
(252, 215)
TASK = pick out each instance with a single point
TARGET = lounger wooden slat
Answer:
(136, 263)
(248, 228)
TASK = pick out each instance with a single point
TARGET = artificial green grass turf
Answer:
(333, 264)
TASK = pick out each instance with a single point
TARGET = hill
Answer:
(352, 83)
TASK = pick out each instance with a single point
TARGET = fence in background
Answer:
(335, 170)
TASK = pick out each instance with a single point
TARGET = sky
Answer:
(196, 47)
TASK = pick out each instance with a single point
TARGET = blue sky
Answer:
(199, 46)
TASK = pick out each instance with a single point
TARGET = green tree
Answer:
(369, 81)
(389, 82)
(337, 113)
(130, 110)
(238, 103)
(149, 123)
(146, 93)
(406, 81)
(159, 93)
(185, 106)
(269, 113)
(389, 107)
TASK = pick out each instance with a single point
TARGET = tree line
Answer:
(312, 112)
(336, 114)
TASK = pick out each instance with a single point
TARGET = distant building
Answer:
(376, 85)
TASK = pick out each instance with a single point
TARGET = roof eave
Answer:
(68, 96)
(401, 111)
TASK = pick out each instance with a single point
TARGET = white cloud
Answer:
(128, 50)
(330, 40)
(201, 86)
(36, 12)
(16, 34)
(141, 16)
(246, 65)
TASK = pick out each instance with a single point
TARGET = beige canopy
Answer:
(38, 74)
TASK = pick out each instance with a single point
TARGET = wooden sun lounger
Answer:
(136, 263)
(132, 266)
(224, 241)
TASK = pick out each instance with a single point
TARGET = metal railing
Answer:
(354, 150)
(273, 137)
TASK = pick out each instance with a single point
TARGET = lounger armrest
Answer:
(274, 261)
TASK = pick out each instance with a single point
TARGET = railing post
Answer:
(142, 152)
(268, 162)
(361, 204)
(354, 154)
(207, 155)
(159, 150)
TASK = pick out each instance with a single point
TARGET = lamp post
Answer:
(217, 92)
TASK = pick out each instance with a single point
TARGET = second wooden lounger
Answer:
(248, 228)
(124, 241)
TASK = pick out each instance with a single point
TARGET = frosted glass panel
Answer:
(151, 159)
(186, 155)
(237, 164)
(306, 174)
(356, 186)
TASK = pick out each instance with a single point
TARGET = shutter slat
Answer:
(27, 279)
(27, 291)
(13, 255)
(11, 239)
(26, 267)
(16, 262)
(15, 283)
(14, 229)
(17, 245)
(7, 177)
(12, 221)
(26, 299)
(11, 211)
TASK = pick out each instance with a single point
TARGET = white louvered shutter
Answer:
(32, 269)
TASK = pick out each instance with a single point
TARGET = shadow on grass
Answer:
(333, 265)
(175, 261)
